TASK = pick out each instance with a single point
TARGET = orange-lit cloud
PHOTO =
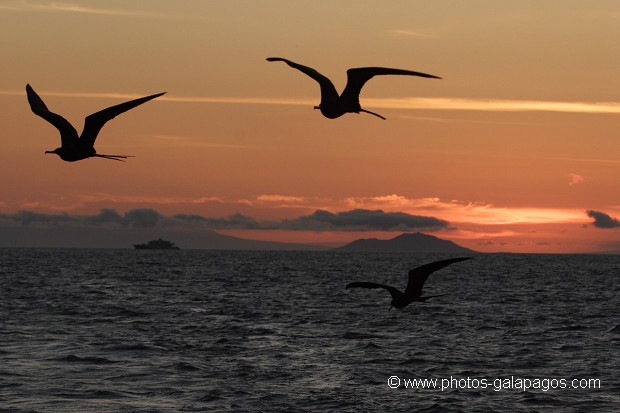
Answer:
(286, 199)
(460, 211)
(493, 105)
(574, 179)
(207, 199)
(417, 103)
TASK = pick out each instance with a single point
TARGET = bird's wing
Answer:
(357, 77)
(93, 123)
(418, 275)
(68, 134)
(394, 292)
(328, 90)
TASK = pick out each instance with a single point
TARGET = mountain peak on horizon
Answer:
(405, 242)
(412, 235)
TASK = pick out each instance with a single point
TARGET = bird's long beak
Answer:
(49, 151)
(317, 107)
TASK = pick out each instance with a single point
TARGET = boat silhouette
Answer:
(156, 244)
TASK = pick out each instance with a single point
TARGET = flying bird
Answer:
(75, 147)
(413, 291)
(333, 105)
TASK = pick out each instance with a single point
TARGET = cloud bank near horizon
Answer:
(319, 220)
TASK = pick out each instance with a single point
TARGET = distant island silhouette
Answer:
(213, 240)
(417, 242)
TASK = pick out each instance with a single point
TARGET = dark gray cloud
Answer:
(320, 220)
(602, 220)
(111, 229)
(35, 218)
(143, 218)
(138, 218)
(106, 216)
(363, 220)
(235, 221)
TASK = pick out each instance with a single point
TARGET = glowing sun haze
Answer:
(517, 148)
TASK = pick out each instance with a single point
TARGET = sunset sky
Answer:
(516, 149)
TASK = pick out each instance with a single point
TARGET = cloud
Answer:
(574, 179)
(493, 105)
(431, 103)
(235, 221)
(143, 218)
(414, 103)
(207, 199)
(602, 220)
(410, 33)
(106, 216)
(462, 211)
(137, 218)
(34, 218)
(267, 206)
(364, 220)
(65, 7)
(280, 198)
(320, 220)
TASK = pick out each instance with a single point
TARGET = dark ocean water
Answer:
(147, 331)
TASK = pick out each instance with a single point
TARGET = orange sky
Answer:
(511, 148)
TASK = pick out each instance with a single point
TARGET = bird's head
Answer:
(329, 110)
(56, 151)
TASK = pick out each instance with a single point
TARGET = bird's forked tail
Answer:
(114, 157)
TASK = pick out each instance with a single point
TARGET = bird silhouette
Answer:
(413, 291)
(333, 105)
(73, 147)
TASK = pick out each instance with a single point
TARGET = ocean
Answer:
(104, 330)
